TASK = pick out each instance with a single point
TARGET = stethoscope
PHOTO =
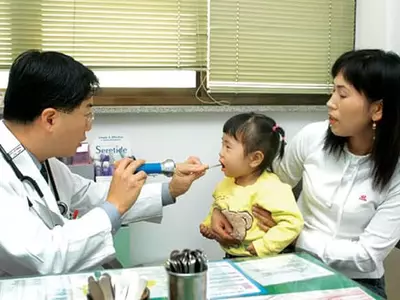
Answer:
(61, 205)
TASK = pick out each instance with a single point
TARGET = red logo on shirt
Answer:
(363, 198)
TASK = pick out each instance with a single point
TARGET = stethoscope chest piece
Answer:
(63, 208)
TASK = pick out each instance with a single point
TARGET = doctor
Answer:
(47, 112)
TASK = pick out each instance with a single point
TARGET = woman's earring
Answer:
(373, 130)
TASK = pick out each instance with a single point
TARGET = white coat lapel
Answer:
(27, 167)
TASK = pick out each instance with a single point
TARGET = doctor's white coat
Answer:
(28, 246)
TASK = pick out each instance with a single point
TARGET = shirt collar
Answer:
(35, 160)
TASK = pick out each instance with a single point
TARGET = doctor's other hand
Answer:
(184, 175)
(222, 229)
(125, 186)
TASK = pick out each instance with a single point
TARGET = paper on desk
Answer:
(227, 281)
(282, 268)
(223, 281)
(66, 287)
(48, 287)
(156, 280)
(339, 294)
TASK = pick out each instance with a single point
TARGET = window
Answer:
(5, 33)
(263, 48)
(277, 46)
(105, 34)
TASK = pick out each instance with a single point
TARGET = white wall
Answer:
(377, 24)
(393, 26)
(156, 137)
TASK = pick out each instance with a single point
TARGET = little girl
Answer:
(250, 143)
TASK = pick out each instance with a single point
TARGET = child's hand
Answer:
(252, 250)
(207, 232)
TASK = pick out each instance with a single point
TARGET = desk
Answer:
(280, 275)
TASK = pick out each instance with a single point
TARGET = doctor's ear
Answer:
(48, 117)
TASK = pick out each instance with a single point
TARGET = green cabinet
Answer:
(122, 245)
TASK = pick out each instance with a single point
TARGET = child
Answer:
(250, 144)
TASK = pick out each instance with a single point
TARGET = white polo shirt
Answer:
(350, 225)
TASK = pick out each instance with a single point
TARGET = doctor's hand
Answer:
(185, 174)
(125, 186)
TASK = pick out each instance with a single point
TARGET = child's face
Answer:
(232, 158)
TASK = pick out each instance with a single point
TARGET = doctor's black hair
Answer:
(40, 80)
(375, 74)
(257, 132)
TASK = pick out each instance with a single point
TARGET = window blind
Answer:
(276, 46)
(157, 34)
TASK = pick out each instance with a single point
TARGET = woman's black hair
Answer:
(40, 80)
(376, 75)
(257, 132)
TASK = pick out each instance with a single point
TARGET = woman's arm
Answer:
(222, 228)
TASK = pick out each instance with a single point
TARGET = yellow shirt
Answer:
(269, 192)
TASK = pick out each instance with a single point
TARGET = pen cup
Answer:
(184, 286)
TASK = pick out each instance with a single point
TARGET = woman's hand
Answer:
(252, 250)
(207, 232)
(222, 229)
(265, 221)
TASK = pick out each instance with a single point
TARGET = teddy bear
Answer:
(241, 222)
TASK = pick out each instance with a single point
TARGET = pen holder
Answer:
(184, 286)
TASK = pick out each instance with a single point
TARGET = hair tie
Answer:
(275, 127)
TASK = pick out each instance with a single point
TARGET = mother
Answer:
(349, 168)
